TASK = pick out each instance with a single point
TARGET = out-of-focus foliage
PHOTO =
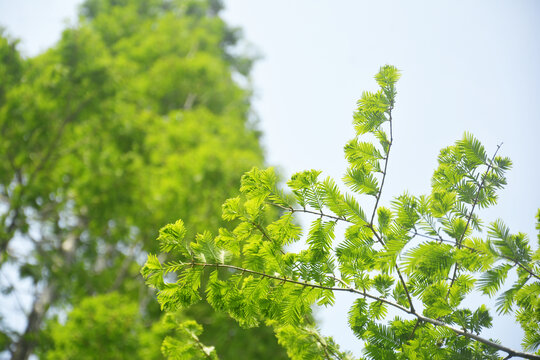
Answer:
(93, 331)
(421, 256)
(133, 119)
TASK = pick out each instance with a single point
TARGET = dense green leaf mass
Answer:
(422, 256)
(93, 331)
(133, 119)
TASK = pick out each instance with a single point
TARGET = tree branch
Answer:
(518, 263)
(522, 266)
(348, 288)
(302, 283)
(327, 351)
(403, 283)
(378, 197)
(16, 295)
(490, 166)
(39, 167)
(26, 342)
(199, 344)
(439, 237)
(320, 213)
(123, 272)
(414, 329)
(458, 243)
(379, 238)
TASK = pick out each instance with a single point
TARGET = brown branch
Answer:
(320, 213)
(411, 336)
(292, 210)
(438, 239)
(478, 338)
(261, 229)
(378, 197)
(302, 283)
(348, 288)
(523, 267)
(405, 288)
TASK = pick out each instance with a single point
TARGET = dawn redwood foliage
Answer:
(420, 255)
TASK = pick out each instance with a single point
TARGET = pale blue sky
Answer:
(467, 66)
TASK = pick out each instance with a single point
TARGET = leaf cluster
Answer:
(419, 256)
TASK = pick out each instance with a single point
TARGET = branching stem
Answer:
(348, 288)
(318, 213)
(458, 243)
(199, 345)
(378, 197)
(514, 261)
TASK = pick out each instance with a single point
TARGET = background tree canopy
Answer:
(134, 119)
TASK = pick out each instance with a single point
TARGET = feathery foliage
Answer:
(421, 256)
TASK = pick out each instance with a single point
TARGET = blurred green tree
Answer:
(135, 118)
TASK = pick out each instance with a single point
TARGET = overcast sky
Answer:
(467, 66)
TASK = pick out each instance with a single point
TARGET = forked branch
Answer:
(460, 241)
(347, 288)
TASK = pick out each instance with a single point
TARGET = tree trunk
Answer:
(27, 341)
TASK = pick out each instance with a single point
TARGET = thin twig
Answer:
(414, 329)
(490, 166)
(199, 344)
(318, 213)
(518, 263)
(327, 351)
(17, 298)
(378, 197)
(402, 280)
(432, 228)
(458, 243)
